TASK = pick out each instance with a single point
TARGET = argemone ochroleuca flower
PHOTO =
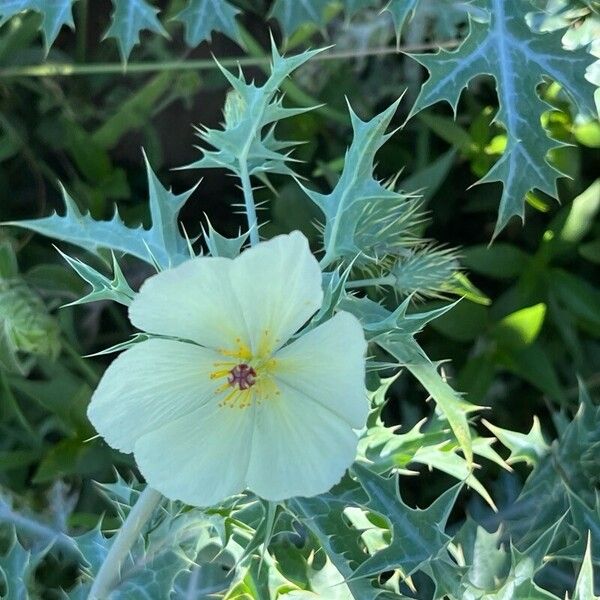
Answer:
(227, 399)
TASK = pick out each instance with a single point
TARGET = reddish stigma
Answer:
(243, 376)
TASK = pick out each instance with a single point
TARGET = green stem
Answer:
(249, 202)
(69, 69)
(358, 283)
(129, 533)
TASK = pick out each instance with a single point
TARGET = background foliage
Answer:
(84, 85)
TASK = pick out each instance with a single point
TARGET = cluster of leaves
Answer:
(361, 540)
(339, 544)
(201, 18)
(499, 43)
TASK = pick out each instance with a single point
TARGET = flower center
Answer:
(248, 378)
(242, 376)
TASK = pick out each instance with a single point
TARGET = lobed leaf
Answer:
(506, 48)
(55, 14)
(162, 245)
(247, 140)
(129, 18)
(366, 220)
(201, 17)
(418, 536)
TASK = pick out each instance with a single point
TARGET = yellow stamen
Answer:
(220, 373)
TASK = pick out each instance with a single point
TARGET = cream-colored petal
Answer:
(328, 365)
(150, 384)
(278, 284)
(193, 301)
(201, 458)
(299, 448)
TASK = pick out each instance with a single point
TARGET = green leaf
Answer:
(418, 536)
(585, 523)
(564, 483)
(443, 456)
(162, 245)
(55, 14)
(134, 112)
(529, 448)
(487, 561)
(129, 17)
(518, 60)
(577, 295)
(387, 449)
(533, 363)
(578, 219)
(70, 456)
(591, 251)
(324, 517)
(8, 260)
(448, 400)
(401, 10)
(293, 14)
(520, 328)
(426, 182)
(464, 323)
(170, 544)
(500, 261)
(202, 17)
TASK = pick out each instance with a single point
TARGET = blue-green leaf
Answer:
(219, 245)
(394, 332)
(16, 568)
(162, 245)
(202, 17)
(55, 14)
(247, 140)
(116, 289)
(418, 536)
(366, 220)
(129, 17)
(292, 14)
(518, 60)
(324, 517)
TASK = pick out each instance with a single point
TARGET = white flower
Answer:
(232, 402)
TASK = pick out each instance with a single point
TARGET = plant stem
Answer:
(358, 283)
(249, 202)
(126, 537)
(68, 69)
